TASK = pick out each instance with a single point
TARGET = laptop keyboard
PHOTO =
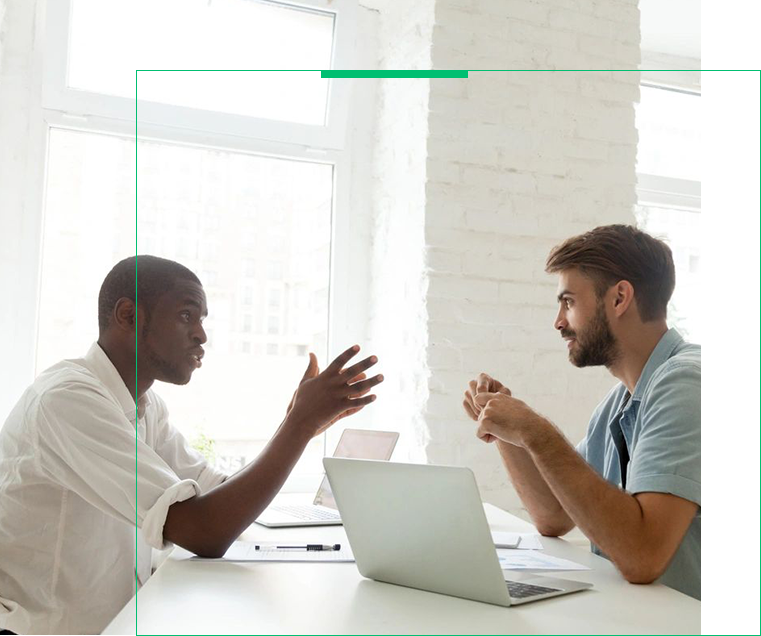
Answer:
(307, 513)
(524, 590)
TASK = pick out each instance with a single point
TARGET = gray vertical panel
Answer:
(730, 395)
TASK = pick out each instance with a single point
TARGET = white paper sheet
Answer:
(246, 551)
(534, 560)
(528, 540)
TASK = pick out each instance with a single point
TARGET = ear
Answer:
(623, 297)
(125, 316)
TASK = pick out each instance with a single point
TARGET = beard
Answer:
(595, 343)
(161, 368)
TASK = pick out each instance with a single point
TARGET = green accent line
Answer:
(459, 74)
(361, 73)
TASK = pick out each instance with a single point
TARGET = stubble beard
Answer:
(161, 368)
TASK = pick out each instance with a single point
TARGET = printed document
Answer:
(534, 560)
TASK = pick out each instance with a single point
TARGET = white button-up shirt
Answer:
(80, 468)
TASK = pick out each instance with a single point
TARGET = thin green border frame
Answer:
(390, 74)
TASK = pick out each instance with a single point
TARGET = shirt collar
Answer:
(662, 352)
(100, 364)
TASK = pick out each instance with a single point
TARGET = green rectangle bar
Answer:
(361, 73)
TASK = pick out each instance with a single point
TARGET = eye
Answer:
(568, 302)
(185, 315)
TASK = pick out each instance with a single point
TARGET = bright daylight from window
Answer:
(668, 122)
(260, 246)
(206, 34)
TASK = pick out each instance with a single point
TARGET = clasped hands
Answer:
(501, 416)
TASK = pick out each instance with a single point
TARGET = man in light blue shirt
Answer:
(659, 426)
(632, 485)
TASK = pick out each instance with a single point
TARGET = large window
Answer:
(96, 46)
(221, 34)
(260, 247)
(668, 167)
(236, 179)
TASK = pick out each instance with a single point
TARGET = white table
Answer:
(197, 597)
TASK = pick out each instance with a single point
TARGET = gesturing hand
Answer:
(324, 398)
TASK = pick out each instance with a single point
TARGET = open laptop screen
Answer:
(357, 444)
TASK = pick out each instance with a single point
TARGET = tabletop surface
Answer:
(202, 597)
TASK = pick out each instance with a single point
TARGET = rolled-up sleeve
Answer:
(155, 518)
(87, 445)
(175, 450)
(666, 455)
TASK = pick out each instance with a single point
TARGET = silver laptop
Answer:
(322, 511)
(424, 526)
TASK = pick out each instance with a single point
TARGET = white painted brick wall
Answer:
(2, 31)
(518, 161)
(398, 322)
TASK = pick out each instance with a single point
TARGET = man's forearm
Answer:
(545, 509)
(208, 524)
(611, 518)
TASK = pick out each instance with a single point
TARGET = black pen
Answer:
(309, 547)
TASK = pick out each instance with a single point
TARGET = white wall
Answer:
(514, 163)
(3, 36)
(354, 211)
(398, 321)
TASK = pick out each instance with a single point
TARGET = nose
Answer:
(560, 321)
(199, 336)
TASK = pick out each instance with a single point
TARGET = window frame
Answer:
(654, 190)
(662, 190)
(57, 96)
(341, 280)
(668, 191)
(84, 111)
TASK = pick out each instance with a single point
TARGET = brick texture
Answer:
(516, 162)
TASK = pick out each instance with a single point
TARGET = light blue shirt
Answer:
(659, 427)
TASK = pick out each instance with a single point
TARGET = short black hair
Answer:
(144, 278)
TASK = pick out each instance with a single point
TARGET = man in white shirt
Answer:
(88, 453)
